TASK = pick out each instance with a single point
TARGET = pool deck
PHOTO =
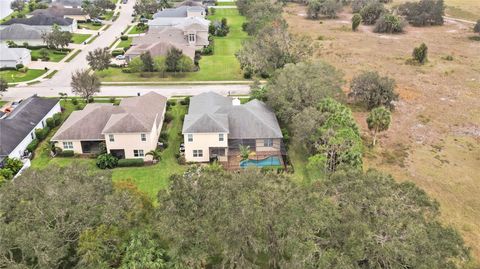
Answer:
(234, 158)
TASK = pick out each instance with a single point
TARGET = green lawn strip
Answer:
(151, 179)
(124, 43)
(53, 55)
(299, 159)
(135, 30)
(107, 15)
(226, 4)
(221, 66)
(92, 39)
(89, 26)
(51, 74)
(33, 82)
(3, 103)
(71, 57)
(14, 76)
(79, 38)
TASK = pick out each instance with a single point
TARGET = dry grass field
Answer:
(434, 139)
(462, 9)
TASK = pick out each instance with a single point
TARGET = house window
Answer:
(111, 138)
(197, 153)
(220, 137)
(143, 137)
(138, 153)
(67, 145)
(190, 137)
(191, 37)
(268, 142)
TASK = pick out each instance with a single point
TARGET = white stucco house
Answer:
(18, 124)
(10, 57)
(129, 130)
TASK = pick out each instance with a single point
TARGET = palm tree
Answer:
(244, 152)
(378, 121)
(156, 154)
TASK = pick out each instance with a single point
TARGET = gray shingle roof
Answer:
(20, 32)
(58, 11)
(180, 11)
(44, 20)
(248, 121)
(18, 124)
(9, 54)
(133, 115)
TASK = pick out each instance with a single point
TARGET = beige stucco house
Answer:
(216, 126)
(128, 130)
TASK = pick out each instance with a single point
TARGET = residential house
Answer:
(181, 12)
(192, 31)
(43, 22)
(159, 48)
(21, 33)
(69, 3)
(216, 126)
(161, 22)
(58, 10)
(10, 57)
(18, 124)
(128, 130)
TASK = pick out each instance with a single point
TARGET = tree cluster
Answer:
(96, 8)
(371, 12)
(73, 217)
(389, 23)
(57, 38)
(146, 8)
(372, 90)
(424, 12)
(326, 8)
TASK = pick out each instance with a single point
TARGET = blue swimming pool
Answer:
(270, 161)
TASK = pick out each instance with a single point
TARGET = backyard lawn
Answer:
(149, 179)
(79, 38)
(221, 66)
(53, 55)
(14, 76)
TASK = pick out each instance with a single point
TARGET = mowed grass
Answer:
(124, 43)
(14, 76)
(79, 38)
(149, 179)
(135, 30)
(53, 55)
(226, 4)
(221, 66)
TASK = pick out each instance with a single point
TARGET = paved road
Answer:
(16, 93)
(63, 77)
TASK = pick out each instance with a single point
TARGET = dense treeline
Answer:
(208, 218)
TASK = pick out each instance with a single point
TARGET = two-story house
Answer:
(128, 130)
(217, 127)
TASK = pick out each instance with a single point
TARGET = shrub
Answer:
(106, 161)
(373, 90)
(74, 101)
(171, 102)
(40, 133)
(117, 52)
(19, 66)
(66, 153)
(34, 58)
(185, 101)
(6, 174)
(420, 53)
(163, 136)
(50, 123)
(130, 162)
(124, 37)
(372, 12)
(57, 118)
(33, 145)
(423, 13)
(181, 160)
(168, 117)
(165, 144)
(127, 70)
(13, 164)
(327, 8)
(356, 20)
(23, 69)
(389, 23)
(357, 5)
(448, 58)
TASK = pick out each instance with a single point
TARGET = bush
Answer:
(19, 66)
(117, 52)
(476, 28)
(33, 145)
(168, 117)
(209, 50)
(66, 153)
(124, 37)
(389, 23)
(34, 58)
(50, 123)
(357, 5)
(127, 70)
(163, 136)
(130, 162)
(23, 69)
(423, 13)
(57, 118)
(373, 90)
(372, 12)
(420, 53)
(181, 160)
(13, 164)
(74, 101)
(6, 174)
(96, 23)
(327, 8)
(171, 102)
(41, 133)
(356, 20)
(106, 161)
(185, 101)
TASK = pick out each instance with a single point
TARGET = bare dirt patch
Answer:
(434, 139)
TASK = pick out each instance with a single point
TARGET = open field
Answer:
(220, 66)
(434, 139)
(141, 176)
(14, 76)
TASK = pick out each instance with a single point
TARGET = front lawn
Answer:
(136, 30)
(89, 26)
(149, 179)
(53, 54)
(221, 66)
(14, 76)
(107, 15)
(79, 38)
(124, 43)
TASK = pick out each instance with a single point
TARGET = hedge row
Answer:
(130, 162)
